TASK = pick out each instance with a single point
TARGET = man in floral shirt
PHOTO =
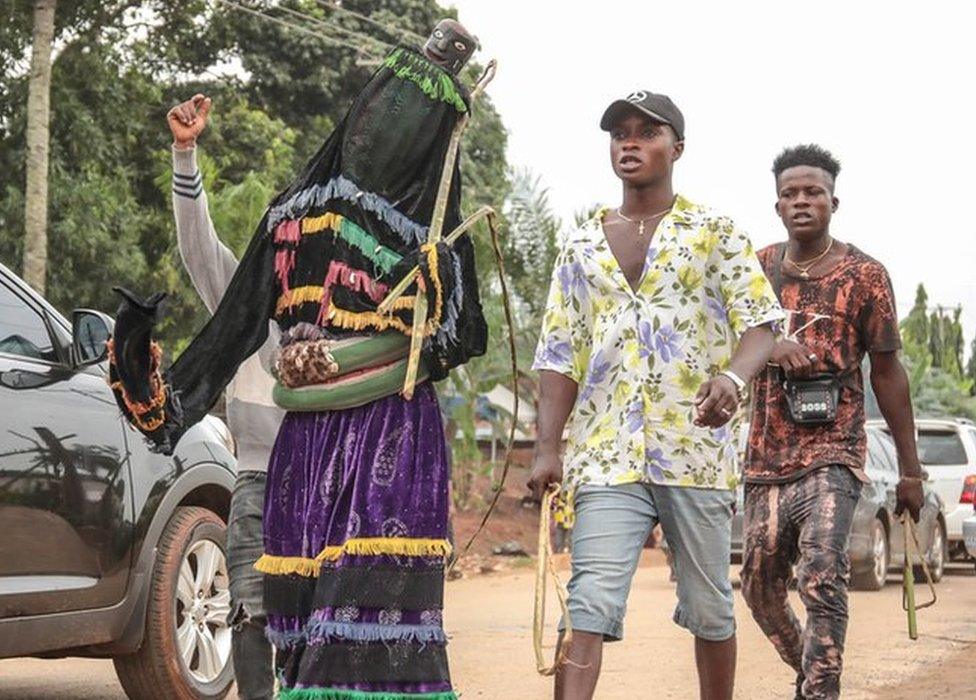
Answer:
(658, 315)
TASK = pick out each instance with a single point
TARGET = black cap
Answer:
(658, 107)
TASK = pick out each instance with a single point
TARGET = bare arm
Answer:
(718, 397)
(890, 384)
(557, 396)
(753, 351)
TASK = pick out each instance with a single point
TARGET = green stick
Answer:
(908, 583)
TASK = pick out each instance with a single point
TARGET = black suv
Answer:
(106, 548)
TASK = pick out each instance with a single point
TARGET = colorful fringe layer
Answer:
(435, 82)
(327, 631)
(339, 187)
(354, 320)
(289, 232)
(343, 694)
(368, 546)
(340, 274)
(322, 295)
(341, 318)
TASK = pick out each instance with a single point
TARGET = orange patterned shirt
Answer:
(840, 316)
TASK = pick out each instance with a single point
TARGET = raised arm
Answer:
(208, 261)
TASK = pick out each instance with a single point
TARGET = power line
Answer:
(295, 27)
(322, 23)
(403, 31)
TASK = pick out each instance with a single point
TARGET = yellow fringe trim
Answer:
(340, 318)
(403, 304)
(281, 566)
(296, 296)
(328, 220)
(369, 546)
(435, 322)
(374, 546)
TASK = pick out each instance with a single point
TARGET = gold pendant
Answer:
(640, 229)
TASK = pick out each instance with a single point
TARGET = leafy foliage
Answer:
(933, 350)
(278, 92)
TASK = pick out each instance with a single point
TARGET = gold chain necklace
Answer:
(807, 265)
(640, 223)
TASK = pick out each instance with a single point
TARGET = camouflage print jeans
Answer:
(252, 652)
(806, 523)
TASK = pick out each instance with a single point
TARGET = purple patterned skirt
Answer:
(355, 528)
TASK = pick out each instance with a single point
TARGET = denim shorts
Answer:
(612, 524)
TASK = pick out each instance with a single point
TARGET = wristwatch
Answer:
(740, 384)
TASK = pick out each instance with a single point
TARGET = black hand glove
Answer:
(134, 372)
(132, 342)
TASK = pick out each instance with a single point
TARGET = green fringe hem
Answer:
(353, 234)
(433, 81)
(341, 694)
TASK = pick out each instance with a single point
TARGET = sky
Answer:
(885, 86)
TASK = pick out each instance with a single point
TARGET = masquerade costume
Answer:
(356, 504)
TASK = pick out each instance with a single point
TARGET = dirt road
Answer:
(489, 619)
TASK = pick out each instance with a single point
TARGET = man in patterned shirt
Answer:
(803, 480)
(658, 314)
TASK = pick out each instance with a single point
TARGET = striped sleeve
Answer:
(189, 186)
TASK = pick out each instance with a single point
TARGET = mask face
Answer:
(450, 45)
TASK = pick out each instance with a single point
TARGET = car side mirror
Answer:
(90, 331)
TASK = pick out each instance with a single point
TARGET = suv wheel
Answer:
(936, 555)
(874, 578)
(185, 653)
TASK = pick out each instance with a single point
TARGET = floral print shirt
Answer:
(640, 357)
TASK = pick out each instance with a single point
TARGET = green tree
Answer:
(915, 338)
(118, 67)
(933, 345)
(530, 246)
(971, 368)
(915, 327)
(38, 143)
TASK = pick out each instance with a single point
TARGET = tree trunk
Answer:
(38, 137)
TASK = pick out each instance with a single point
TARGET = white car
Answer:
(969, 534)
(947, 450)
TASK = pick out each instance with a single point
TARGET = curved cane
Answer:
(436, 226)
(908, 578)
(545, 564)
